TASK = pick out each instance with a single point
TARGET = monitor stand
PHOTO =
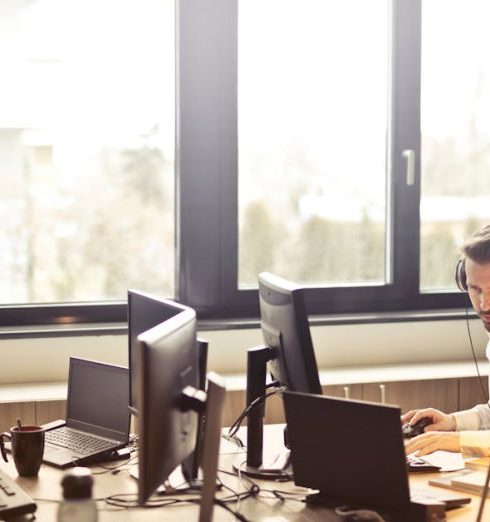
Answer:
(274, 466)
(278, 468)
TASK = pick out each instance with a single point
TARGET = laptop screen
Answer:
(98, 398)
(349, 450)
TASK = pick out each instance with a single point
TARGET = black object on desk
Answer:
(289, 355)
(410, 431)
(353, 452)
(97, 418)
(419, 465)
(14, 501)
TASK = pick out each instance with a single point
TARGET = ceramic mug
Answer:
(27, 446)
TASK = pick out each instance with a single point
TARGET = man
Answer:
(467, 431)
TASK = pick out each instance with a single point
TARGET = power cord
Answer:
(235, 513)
(484, 392)
(232, 431)
(129, 500)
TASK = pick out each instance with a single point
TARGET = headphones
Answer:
(460, 276)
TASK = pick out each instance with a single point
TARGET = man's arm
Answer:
(470, 443)
(432, 441)
(457, 431)
(476, 418)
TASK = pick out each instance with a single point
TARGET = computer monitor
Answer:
(288, 353)
(144, 312)
(168, 400)
(286, 331)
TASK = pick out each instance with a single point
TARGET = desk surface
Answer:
(46, 491)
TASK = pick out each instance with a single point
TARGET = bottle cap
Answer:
(77, 483)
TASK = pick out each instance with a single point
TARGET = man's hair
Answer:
(477, 247)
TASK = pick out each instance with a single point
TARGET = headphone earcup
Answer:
(460, 276)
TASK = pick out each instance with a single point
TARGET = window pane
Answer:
(455, 119)
(86, 149)
(312, 112)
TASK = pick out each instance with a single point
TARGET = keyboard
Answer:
(82, 443)
(14, 501)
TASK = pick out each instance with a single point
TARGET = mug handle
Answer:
(2, 445)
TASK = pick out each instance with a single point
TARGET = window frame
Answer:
(206, 193)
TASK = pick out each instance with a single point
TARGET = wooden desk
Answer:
(46, 491)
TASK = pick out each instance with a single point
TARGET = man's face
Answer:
(478, 280)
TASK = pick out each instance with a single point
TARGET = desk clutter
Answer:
(245, 497)
(336, 459)
(251, 499)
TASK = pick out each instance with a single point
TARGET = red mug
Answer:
(27, 446)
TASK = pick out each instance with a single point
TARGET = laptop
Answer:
(97, 416)
(353, 452)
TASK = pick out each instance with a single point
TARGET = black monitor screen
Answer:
(167, 362)
(144, 312)
(286, 330)
(97, 398)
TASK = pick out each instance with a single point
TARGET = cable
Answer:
(256, 402)
(348, 513)
(114, 469)
(130, 500)
(244, 478)
(485, 394)
(235, 513)
(283, 495)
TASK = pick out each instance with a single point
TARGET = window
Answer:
(86, 149)
(331, 142)
(455, 133)
(312, 120)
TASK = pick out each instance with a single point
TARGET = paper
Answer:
(446, 460)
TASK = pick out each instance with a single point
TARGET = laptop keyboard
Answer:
(82, 443)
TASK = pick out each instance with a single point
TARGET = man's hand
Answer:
(432, 441)
(440, 421)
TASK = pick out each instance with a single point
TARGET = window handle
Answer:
(409, 154)
(382, 393)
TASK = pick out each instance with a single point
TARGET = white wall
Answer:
(46, 359)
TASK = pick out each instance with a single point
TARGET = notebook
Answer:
(466, 480)
(353, 452)
(97, 416)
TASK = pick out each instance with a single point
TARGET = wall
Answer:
(46, 359)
